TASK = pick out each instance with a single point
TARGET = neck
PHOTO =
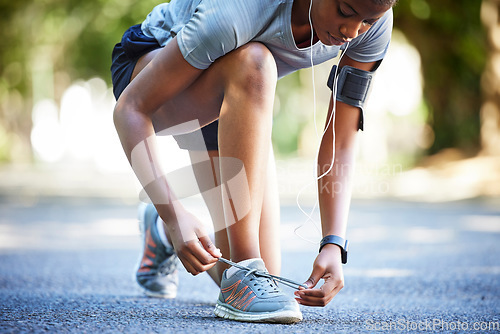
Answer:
(300, 12)
(301, 28)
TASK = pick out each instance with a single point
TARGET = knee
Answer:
(256, 57)
(254, 67)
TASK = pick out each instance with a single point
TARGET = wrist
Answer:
(333, 250)
(170, 213)
(340, 243)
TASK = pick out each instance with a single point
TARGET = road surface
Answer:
(66, 265)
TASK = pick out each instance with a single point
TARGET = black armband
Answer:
(353, 86)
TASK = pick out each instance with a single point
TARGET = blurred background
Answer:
(432, 128)
(424, 223)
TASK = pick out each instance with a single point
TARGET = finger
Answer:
(318, 303)
(315, 301)
(316, 275)
(187, 265)
(310, 293)
(326, 289)
(193, 265)
(199, 258)
(201, 254)
(318, 297)
(314, 297)
(209, 246)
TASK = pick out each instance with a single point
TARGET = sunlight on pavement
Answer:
(379, 272)
(487, 224)
(369, 234)
(43, 235)
(423, 235)
(115, 227)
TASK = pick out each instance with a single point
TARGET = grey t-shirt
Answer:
(208, 29)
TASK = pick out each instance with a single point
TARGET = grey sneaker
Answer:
(246, 296)
(157, 270)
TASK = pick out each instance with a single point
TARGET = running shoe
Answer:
(248, 296)
(157, 270)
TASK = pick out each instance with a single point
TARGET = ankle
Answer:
(162, 231)
(247, 255)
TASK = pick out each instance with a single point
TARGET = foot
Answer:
(246, 296)
(157, 270)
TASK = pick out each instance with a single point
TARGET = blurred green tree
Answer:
(452, 45)
(490, 83)
(47, 44)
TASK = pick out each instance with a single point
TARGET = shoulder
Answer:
(380, 29)
(217, 27)
(253, 11)
(373, 45)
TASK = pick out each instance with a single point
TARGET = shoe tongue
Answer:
(257, 264)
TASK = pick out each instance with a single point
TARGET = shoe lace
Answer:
(271, 279)
(262, 282)
(167, 266)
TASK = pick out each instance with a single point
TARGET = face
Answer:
(338, 21)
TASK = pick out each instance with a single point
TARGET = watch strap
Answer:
(336, 240)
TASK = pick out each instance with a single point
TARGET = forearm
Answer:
(133, 119)
(334, 192)
(335, 187)
(138, 140)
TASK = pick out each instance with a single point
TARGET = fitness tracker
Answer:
(336, 240)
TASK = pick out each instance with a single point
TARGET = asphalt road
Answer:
(66, 265)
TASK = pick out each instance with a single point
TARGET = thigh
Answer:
(202, 100)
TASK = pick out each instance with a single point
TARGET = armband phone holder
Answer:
(353, 86)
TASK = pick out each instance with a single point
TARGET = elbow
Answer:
(344, 152)
(342, 144)
(346, 143)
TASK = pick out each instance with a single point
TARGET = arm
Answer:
(133, 121)
(334, 191)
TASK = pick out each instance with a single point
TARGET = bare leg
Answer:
(269, 222)
(245, 133)
(270, 247)
(240, 87)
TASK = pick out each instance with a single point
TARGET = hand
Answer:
(327, 266)
(192, 243)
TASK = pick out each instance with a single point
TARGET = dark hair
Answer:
(385, 2)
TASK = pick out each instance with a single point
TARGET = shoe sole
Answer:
(277, 317)
(150, 293)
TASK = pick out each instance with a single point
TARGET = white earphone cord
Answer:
(331, 120)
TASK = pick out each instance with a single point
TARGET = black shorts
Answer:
(134, 45)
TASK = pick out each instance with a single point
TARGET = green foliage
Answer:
(47, 44)
(78, 35)
(452, 45)
(288, 122)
